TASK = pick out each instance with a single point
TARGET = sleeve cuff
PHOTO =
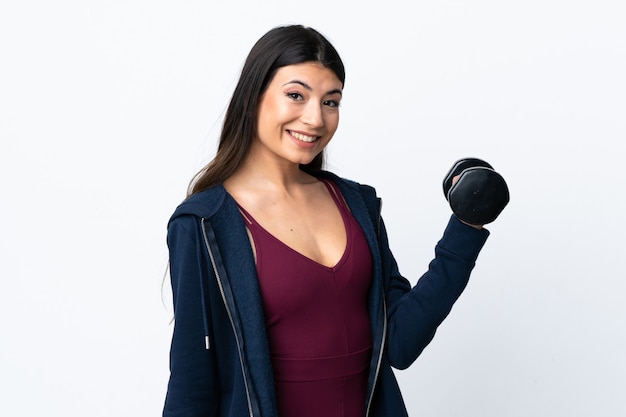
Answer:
(463, 240)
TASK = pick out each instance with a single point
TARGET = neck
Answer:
(259, 174)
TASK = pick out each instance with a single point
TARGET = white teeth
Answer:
(303, 138)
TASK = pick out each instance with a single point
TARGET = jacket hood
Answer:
(203, 204)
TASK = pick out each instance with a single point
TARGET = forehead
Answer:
(313, 74)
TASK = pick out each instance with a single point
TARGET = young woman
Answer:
(287, 299)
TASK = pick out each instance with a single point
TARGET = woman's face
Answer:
(298, 113)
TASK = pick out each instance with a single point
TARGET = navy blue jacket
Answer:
(219, 357)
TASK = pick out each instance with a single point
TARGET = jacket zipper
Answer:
(380, 357)
(382, 342)
(232, 322)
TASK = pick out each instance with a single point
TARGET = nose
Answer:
(313, 114)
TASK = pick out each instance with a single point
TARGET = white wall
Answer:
(107, 108)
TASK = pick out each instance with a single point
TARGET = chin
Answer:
(306, 161)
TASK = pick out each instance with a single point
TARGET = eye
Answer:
(331, 103)
(294, 95)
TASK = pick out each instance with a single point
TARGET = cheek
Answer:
(267, 116)
(332, 122)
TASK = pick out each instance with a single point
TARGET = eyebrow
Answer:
(308, 87)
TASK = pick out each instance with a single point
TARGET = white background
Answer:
(107, 108)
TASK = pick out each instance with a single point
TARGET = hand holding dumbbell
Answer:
(477, 194)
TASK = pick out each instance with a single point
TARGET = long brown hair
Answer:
(281, 46)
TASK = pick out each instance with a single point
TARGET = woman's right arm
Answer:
(193, 389)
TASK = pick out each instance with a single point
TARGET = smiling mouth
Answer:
(304, 138)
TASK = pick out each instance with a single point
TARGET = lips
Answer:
(304, 138)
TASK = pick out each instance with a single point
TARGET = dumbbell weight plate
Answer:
(479, 195)
(458, 167)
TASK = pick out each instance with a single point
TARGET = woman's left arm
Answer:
(414, 314)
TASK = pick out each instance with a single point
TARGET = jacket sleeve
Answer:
(192, 388)
(414, 314)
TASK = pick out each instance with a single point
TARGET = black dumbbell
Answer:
(479, 195)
